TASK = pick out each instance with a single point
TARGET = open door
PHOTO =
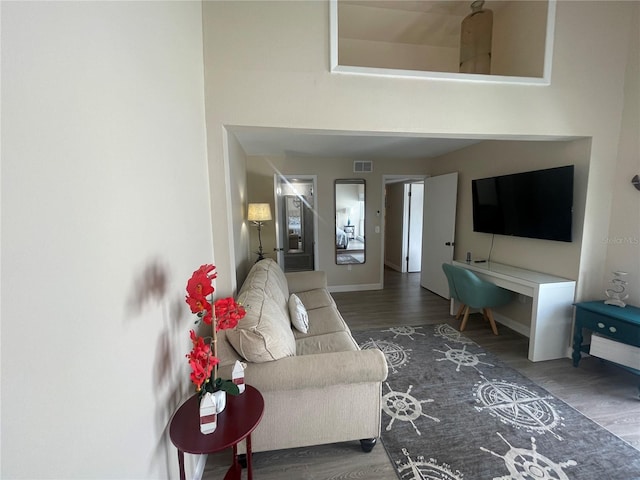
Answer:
(438, 230)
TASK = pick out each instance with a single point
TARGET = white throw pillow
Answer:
(299, 316)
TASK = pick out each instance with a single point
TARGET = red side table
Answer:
(240, 417)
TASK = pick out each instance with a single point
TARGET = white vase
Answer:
(220, 398)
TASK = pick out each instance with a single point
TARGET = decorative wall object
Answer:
(475, 40)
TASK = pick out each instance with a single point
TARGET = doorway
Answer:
(296, 222)
(438, 197)
(403, 205)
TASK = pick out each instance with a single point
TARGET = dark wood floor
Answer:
(603, 392)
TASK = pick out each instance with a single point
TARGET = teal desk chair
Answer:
(474, 292)
(449, 271)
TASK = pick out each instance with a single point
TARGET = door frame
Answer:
(278, 179)
(386, 179)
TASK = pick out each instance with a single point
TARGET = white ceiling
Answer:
(277, 142)
(289, 142)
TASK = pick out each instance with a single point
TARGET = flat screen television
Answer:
(537, 204)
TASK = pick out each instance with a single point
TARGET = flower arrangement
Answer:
(222, 314)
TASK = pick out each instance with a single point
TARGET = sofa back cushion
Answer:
(269, 277)
(264, 334)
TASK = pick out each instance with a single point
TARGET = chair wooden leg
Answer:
(460, 311)
(492, 321)
(465, 318)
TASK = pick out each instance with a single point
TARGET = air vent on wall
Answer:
(362, 166)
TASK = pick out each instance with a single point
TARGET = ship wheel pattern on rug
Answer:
(395, 354)
(404, 407)
(475, 408)
(421, 469)
(405, 331)
(528, 464)
(461, 357)
(516, 405)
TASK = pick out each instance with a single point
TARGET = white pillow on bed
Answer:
(298, 313)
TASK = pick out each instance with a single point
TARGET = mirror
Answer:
(350, 226)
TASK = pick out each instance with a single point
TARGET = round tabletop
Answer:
(240, 417)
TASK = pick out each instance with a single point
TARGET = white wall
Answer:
(278, 76)
(105, 214)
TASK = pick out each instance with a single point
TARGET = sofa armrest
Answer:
(315, 371)
(303, 281)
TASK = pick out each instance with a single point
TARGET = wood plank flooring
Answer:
(603, 392)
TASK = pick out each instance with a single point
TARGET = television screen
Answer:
(537, 204)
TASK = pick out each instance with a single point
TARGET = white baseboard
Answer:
(199, 470)
(393, 266)
(355, 288)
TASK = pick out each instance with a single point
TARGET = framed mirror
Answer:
(350, 222)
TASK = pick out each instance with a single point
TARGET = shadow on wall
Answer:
(169, 379)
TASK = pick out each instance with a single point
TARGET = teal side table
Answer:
(616, 323)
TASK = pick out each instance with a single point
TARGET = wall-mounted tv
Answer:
(537, 204)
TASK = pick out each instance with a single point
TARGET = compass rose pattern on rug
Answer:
(396, 355)
(445, 418)
(518, 406)
(449, 333)
(422, 469)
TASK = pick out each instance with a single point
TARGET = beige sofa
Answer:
(318, 387)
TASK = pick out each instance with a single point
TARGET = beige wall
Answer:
(278, 76)
(105, 214)
(340, 277)
(503, 157)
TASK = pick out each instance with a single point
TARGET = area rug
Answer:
(345, 258)
(452, 411)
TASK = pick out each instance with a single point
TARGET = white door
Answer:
(438, 230)
(414, 240)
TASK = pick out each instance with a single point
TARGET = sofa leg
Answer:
(367, 444)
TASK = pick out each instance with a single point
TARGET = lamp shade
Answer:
(259, 212)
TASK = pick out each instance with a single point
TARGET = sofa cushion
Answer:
(323, 320)
(331, 342)
(299, 316)
(316, 298)
(226, 353)
(267, 275)
(264, 334)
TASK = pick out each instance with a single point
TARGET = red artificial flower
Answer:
(228, 313)
(197, 304)
(201, 360)
(200, 283)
